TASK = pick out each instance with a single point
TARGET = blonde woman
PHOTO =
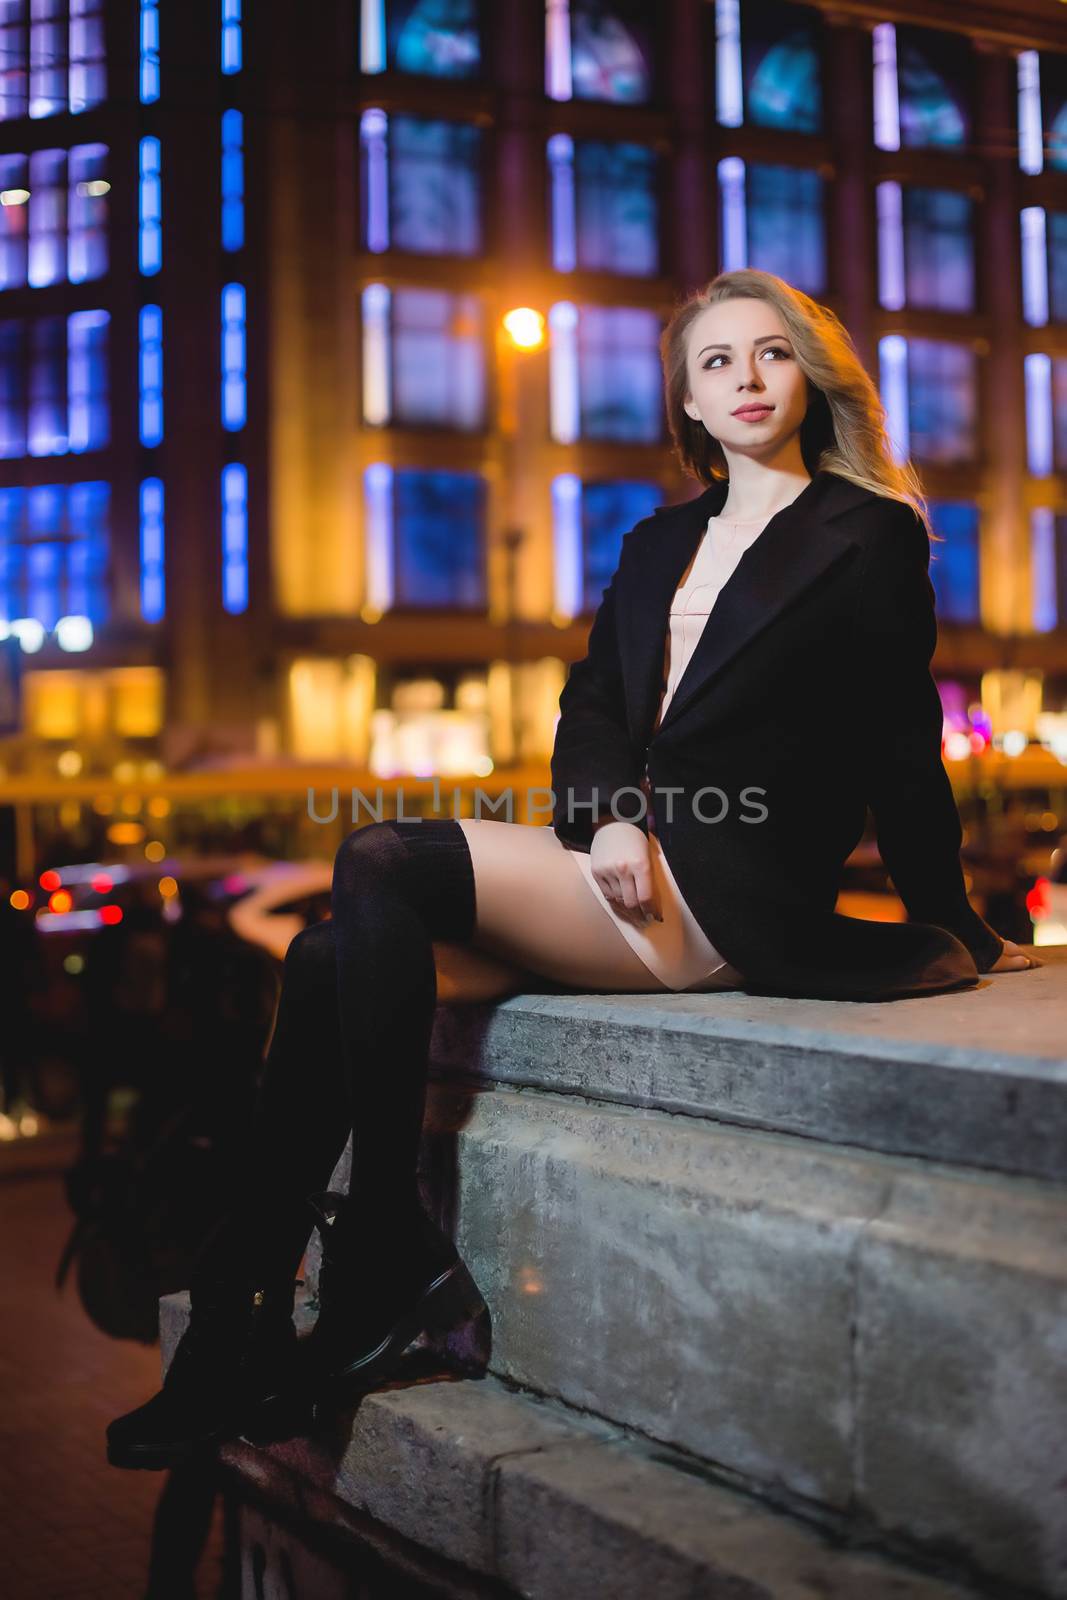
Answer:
(757, 675)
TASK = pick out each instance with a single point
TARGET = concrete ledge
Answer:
(549, 1503)
(977, 1078)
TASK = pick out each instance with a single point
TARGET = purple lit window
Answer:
(439, 539)
(954, 565)
(942, 401)
(785, 208)
(939, 249)
(620, 382)
(781, 49)
(935, 70)
(610, 510)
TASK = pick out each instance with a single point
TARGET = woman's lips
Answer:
(754, 413)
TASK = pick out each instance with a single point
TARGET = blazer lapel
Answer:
(795, 549)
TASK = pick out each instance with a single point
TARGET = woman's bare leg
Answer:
(535, 912)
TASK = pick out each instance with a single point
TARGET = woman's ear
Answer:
(689, 406)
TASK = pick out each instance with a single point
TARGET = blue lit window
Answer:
(150, 211)
(434, 188)
(773, 218)
(939, 249)
(1059, 414)
(935, 71)
(604, 206)
(595, 51)
(433, 38)
(153, 571)
(14, 61)
(610, 510)
(54, 543)
(781, 68)
(48, 430)
(439, 539)
(942, 387)
(87, 380)
(14, 218)
(1054, 108)
(12, 390)
(231, 36)
(954, 565)
(423, 358)
(235, 538)
(234, 388)
(151, 375)
(87, 213)
(149, 51)
(620, 380)
(1056, 224)
(53, 217)
(233, 180)
(88, 54)
(49, 68)
(48, 217)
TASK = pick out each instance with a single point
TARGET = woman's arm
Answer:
(908, 790)
(592, 749)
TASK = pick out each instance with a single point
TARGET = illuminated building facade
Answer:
(276, 480)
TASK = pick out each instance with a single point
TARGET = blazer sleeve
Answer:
(593, 756)
(907, 788)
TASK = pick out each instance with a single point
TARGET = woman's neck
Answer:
(756, 492)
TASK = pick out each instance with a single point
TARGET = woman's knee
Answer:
(311, 956)
(366, 851)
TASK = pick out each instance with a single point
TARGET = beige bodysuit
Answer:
(677, 950)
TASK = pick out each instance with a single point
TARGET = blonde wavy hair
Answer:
(844, 430)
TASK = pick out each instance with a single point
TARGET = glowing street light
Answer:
(525, 328)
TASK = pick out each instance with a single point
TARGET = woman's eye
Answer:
(772, 349)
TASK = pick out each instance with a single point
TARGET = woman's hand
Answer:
(620, 861)
(1012, 959)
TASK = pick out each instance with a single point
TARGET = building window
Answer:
(14, 60)
(597, 51)
(1048, 566)
(54, 230)
(232, 44)
(605, 376)
(768, 65)
(925, 248)
(14, 219)
(439, 523)
(935, 71)
(610, 510)
(954, 565)
(234, 386)
(773, 218)
(1056, 228)
(431, 38)
(1042, 113)
(233, 180)
(153, 571)
(422, 185)
(1059, 413)
(149, 51)
(604, 207)
(930, 390)
(235, 538)
(423, 358)
(150, 212)
(54, 550)
(88, 54)
(57, 401)
(150, 369)
(1054, 108)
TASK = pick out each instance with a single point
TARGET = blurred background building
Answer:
(329, 373)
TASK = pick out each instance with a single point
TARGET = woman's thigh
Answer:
(534, 910)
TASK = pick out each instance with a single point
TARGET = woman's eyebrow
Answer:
(761, 340)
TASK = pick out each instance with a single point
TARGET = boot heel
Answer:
(281, 1417)
(454, 1299)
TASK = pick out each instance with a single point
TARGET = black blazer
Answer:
(808, 697)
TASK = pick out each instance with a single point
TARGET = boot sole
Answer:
(451, 1300)
(277, 1416)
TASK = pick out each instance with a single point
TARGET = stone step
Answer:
(499, 1486)
(977, 1078)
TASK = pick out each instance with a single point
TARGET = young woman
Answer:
(757, 676)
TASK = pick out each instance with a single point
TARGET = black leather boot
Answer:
(377, 1294)
(234, 1373)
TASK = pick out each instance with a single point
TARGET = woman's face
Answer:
(741, 356)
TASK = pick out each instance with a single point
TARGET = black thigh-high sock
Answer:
(299, 1127)
(350, 1045)
(397, 887)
